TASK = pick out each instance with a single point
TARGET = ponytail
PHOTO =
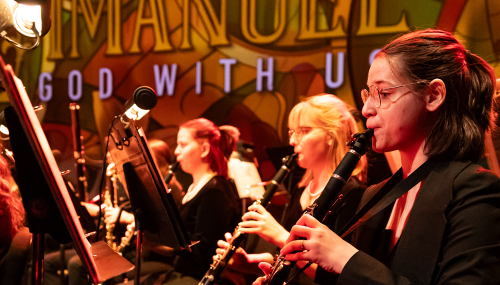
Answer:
(229, 136)
(222, 142)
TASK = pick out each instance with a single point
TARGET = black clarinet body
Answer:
(329, 198)
(220, 263)
(171, 169)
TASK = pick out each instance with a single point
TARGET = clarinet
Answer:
(330, 197)
(220, 262)
(81, 185)
(171, 169)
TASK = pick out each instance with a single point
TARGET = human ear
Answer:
(205, 149)
(436, 94)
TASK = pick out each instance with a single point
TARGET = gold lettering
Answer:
(308, 20)
(114, 28)
(55, 34)
(368, 21)
(157, 21)
(216, 28)
(249, 27)
(74, 36)
(91, 18)
(186, 36)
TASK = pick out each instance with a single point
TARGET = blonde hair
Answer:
(332, 114)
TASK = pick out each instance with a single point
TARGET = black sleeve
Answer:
(212, 221)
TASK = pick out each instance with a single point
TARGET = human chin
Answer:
(301, 161)
(377, 146)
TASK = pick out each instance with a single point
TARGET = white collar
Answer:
(194, 189)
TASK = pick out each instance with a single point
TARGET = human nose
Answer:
(177, 151)
(369, 108)
(293, 139)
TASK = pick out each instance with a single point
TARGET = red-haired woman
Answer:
(11, 211)
(210, 206)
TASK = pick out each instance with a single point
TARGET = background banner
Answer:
(244, 63)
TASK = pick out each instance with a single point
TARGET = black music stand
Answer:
(48, 203)
(156, 214)
(41, 210)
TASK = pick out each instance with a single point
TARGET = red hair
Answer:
(11, 207)
(222, 142)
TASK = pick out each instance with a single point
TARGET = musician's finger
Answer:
(228, 236)
(258, 281)
(222, 244)
(295, 245)
(250, 230)
(265, 267)
(220, 251)
(109, 221)
(299, 232)
(257, 208)
(296, 256)
(247, 226)
(251, 216)
(308, 221)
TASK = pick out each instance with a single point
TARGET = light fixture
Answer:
(29, 18)
(143, 100)
(3, 125)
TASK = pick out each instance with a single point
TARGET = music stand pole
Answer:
(138, 247)
(37, 263)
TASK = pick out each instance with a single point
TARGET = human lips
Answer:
(371, 125)
(374, 127)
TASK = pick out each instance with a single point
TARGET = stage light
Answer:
(26, 17)
(143, 100)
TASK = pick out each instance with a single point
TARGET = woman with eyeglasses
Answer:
(436, 221)
(319, 129)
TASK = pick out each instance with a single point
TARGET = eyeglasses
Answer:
(384, 100)
(301, 131)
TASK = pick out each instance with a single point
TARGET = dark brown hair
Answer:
(461, 122)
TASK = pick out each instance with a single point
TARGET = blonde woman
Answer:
(318, 130)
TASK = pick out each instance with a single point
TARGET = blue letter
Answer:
(47, 95)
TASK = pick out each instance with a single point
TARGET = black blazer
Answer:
(452, 235)
(207, 217)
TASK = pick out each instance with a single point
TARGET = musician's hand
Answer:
(241, 260)
(93, 209)
(111, 215)
(259, 221)
(266, 268)
(223, 245)
(322, 246)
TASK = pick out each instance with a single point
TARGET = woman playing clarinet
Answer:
(436, 221)
(319, 128)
